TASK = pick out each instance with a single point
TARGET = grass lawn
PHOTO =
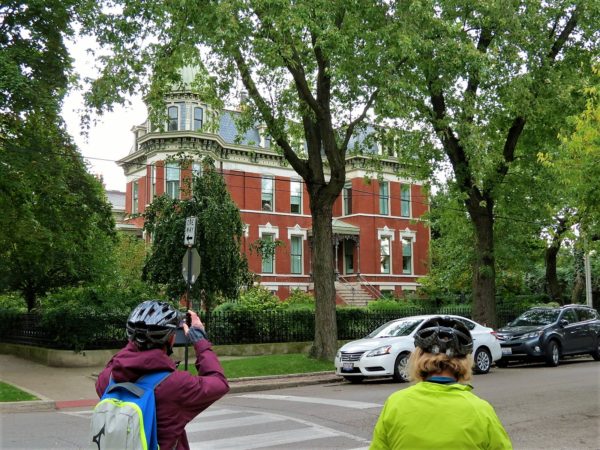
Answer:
(255, 366)
(9, 393)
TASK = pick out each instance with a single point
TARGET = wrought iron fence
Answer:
(99, 331)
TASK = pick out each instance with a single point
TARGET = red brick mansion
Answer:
(380, 242)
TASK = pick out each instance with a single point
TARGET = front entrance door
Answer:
(348, 257)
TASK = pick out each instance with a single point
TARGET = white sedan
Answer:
(384, 352)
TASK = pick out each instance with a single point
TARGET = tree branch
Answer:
(359, 119)
(294, 66)
(485, 39)
(563, 36)
(518, 124)
(454, 150)
(273, 124)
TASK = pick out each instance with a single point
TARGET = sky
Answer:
(110, 138)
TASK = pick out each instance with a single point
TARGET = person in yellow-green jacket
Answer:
(439, 411)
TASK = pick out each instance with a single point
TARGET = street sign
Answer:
(190, 266)
(190, 231)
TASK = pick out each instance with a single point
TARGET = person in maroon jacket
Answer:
(181, 396)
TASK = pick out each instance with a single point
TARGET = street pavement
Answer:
(70, 387)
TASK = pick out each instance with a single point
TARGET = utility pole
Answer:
(588, 278)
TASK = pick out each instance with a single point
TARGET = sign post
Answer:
(190, 266)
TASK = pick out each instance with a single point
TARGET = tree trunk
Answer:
(325, 343)
(484, 264)
(553, 287)
(579, 281)
(30, 297)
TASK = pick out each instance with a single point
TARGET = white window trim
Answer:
(169, 106)
(388, 206)
(297, 230)
(135, 196)
(409, 234)
(344, 209)
(409, 201)
(303, 238)
(272, 177)
(387, 233)
(274, 231)
(193, 107)
(246, 230)
(296, 180)
(412, 236)
(166, 179)
(152, 182)
(268, 229)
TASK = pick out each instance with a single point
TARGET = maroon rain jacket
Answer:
(180, 397)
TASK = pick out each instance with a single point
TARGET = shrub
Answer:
(256, 298)
(13, 301)
(97, 298)
(300, 300)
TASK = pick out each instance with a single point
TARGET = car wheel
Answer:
(401, 368)
(354, 380)
(552, 354)
(502, 363)
(483, 360)
(596, 353)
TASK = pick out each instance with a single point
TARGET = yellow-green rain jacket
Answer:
(438, 416)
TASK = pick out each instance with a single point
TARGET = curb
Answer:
(236, 386)
(27, 406)
(43, 404)
(252, 384)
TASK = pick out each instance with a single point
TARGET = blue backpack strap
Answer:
(149, 382)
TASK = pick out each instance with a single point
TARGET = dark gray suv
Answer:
(550, 333)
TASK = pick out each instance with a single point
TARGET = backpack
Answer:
(125, 416)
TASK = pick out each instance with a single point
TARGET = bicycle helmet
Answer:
(152, 323)
(444, 335)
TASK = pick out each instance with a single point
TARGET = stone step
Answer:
(353, 294)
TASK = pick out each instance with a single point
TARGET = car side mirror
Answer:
(563, 322)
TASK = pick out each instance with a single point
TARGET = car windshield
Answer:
(536, 317)
(396, 328)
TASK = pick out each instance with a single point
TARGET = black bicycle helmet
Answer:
(444, 335)
(152, 323)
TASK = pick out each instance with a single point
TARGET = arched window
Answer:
(198, 118)
(173, 118)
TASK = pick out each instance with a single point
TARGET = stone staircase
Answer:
(352, 294)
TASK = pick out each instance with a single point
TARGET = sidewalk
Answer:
(66, 387)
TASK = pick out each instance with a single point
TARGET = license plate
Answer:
(348, 366)
(506, 351)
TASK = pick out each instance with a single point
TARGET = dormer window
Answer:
(173, 112)
(198, 118)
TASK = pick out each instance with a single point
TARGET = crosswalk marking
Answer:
(230, 423)
(322, 401)
(246, 429)
(264, 439)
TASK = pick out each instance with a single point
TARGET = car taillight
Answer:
(495, 334)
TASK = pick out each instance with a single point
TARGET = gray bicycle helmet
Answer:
(152, 323)
(444, 335)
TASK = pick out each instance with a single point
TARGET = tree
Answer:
(488, 85)
(224, 268)
(311, 69)
(35, 67)
(57, 227)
